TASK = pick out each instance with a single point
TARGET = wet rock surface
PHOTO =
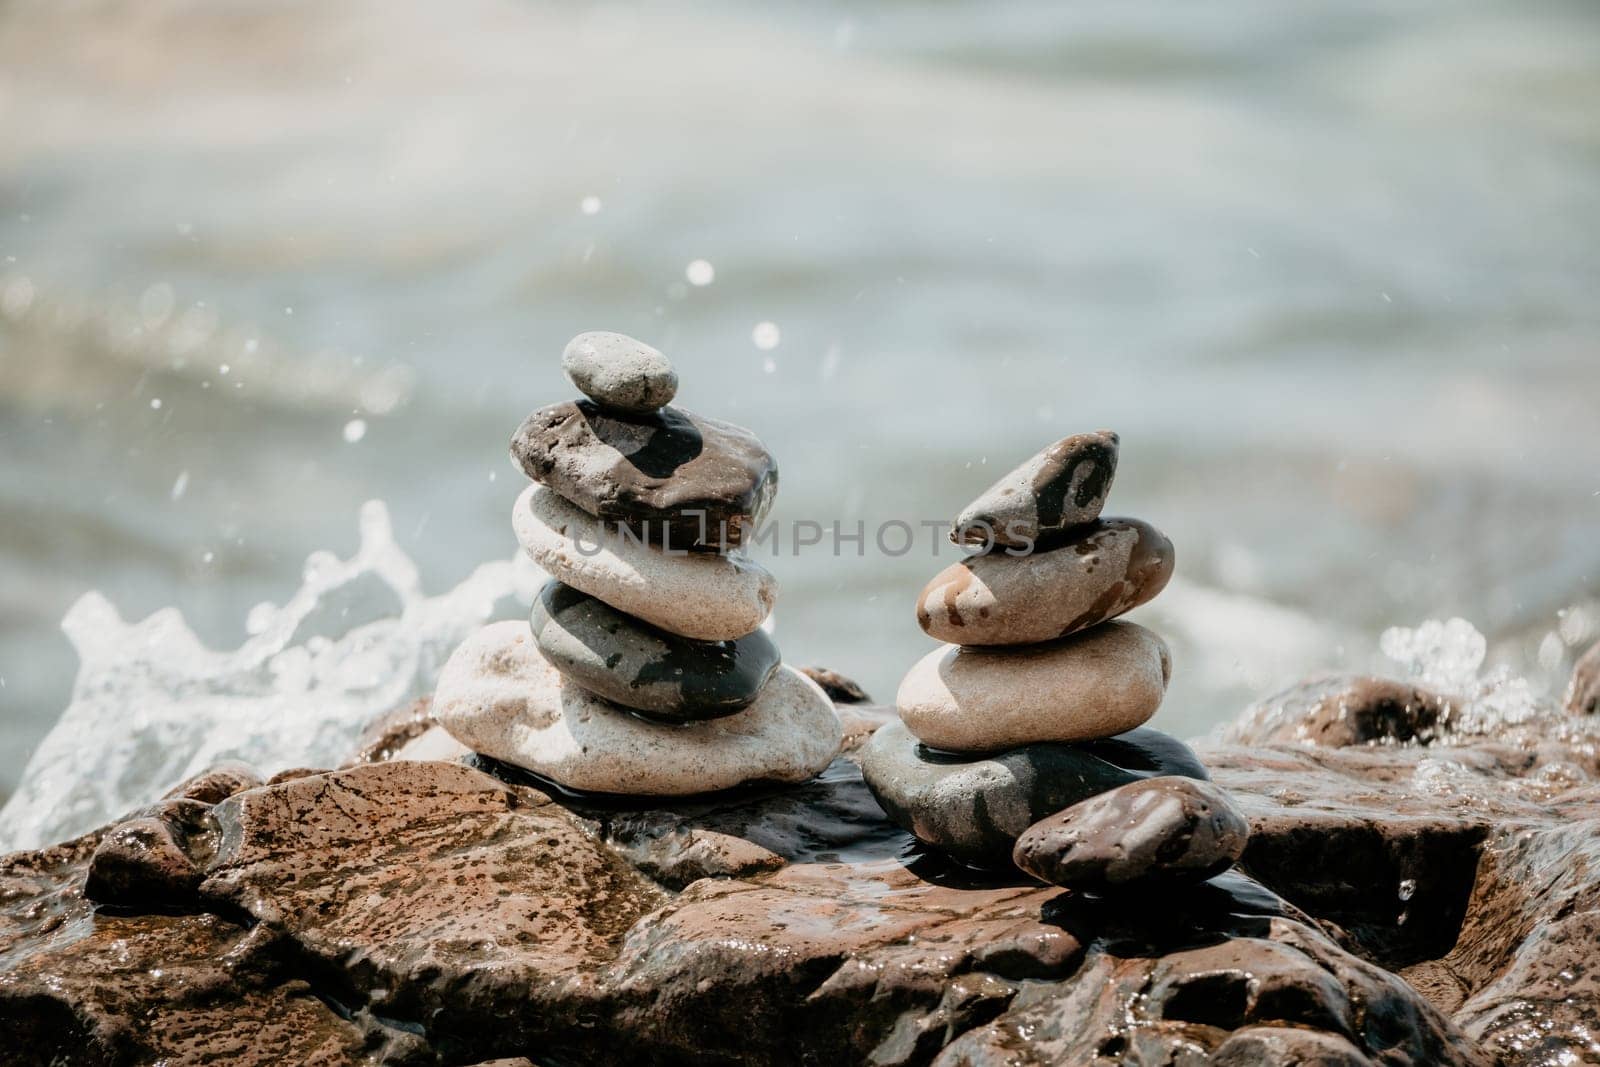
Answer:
(1399, 902)
(680, 479)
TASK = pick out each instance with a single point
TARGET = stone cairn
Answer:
(643, 669)
(1021, 738)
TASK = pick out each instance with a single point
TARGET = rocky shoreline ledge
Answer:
(1415, 890)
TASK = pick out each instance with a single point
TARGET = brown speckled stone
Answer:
(1099, 572)
(430, 913)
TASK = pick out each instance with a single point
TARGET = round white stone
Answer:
(1094, 684)
(615, 371)
(701, 595)
(497, 695)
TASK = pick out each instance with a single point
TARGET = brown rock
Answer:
(840, 690)
(1102, 570)
(1583, 691)
(220, 782)
(154, 859)
(1338, 710)
(434, 913)
(388, 734)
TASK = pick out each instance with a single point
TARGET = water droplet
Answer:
(181, 485)
(355, 430)
(700, 272)
(155, 403)
(766, 336)
(590, 205)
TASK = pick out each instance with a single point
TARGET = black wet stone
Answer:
(679, 479)
(974, 808)
(629, 662)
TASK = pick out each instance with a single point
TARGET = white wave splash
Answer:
(152, 705)
(1448, 656)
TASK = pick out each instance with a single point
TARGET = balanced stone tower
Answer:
(1036, 701)
(643, 669)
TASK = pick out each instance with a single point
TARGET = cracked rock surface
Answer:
(1399, 902)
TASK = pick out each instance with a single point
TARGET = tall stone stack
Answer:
(1038, 697)
(643, 668)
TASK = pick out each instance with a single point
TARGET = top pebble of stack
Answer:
(1061, 487)
(619, 373)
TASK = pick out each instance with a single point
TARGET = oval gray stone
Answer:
(1062, 486)
(619, 373)
(629, 662)
(1160, 830)
(975, 807)
(680, 480)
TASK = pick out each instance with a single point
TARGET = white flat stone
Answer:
(1097, 683)
(497, 695)
(702, 595)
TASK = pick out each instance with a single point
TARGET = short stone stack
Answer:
(1036, 702)
(643, 669)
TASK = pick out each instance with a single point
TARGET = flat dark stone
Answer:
(975, 808)
(1158, 831)
(679, 479)
(629, 662)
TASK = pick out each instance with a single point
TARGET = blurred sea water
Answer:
(1329, 268)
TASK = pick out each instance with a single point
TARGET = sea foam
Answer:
(152, 705)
